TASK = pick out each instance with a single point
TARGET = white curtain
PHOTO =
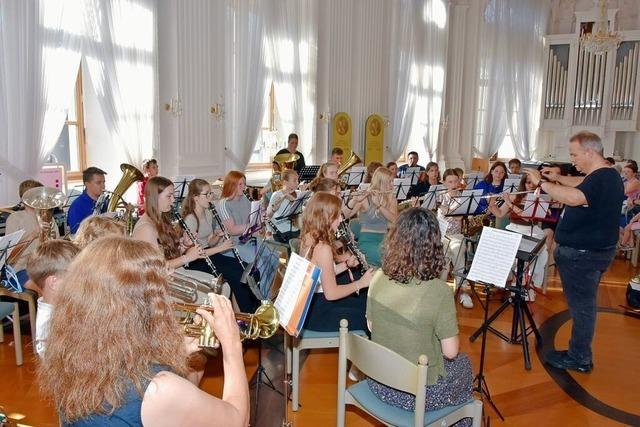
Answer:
(291, 57)
(39, 57)
(121, 56)
(417, 66)
(246, 77)
(511, 75)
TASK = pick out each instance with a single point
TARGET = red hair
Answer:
(231, 180)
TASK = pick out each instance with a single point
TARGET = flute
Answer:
(226, 236)
(490, 196)
(194, 240)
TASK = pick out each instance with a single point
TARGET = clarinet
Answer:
(194, 240)
(343, 232)
(216, 215)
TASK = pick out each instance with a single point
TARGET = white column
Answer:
(455, 98)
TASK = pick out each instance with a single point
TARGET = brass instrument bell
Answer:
(130, 174)
(44, 200)
(284, 161)
(351, 162)
(261, 324)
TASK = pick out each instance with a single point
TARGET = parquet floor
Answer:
(525, 398)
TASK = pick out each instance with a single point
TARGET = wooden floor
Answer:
(524, 397)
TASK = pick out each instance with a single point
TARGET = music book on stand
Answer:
(7, 244)
(401, 187)
(309, 172)
(298, 287)
(494, 256)
(356, 175)
(431, 197)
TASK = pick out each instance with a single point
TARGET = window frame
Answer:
(78, 123)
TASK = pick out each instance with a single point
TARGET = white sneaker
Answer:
(465, 300)
(354, 373)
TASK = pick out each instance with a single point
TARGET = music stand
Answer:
(517, 176)
(267, 262)
(180, 185)
(309, 172)
(473, 178)
(355, 175)
(254, 223)
(7, 245)
(293, 209)
(511, 185)
(527, 254)
(413, 173)
(431, 196)
(401, 187)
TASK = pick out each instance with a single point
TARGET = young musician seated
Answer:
(84, 205)
(453, 239)
(46, 265)
(326, 185)
(336, 156)
(95, 226)
(149, 170)
(156, 228)
(393, 167)
(493, 183)
(332, 301)
(328, 170)
(426, 180)
(412, 312)
(201, 222)
(377, 209)
(514, 205)
(116, 356)
(281, 202)
(515, 166)
(460, 173)
(26, 220)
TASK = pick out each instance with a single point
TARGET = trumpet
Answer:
(261, 324)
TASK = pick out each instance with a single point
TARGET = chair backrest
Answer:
(382, 365)
(294, 244)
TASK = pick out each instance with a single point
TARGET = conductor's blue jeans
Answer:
(580, 271)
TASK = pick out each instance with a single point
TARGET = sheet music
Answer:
(254, 216)
(494, 257)
(535, 207)
(401, 187)
(466, 203)
(431, 197)
(444, 226)
(511, 185)
(528, 245)
(472, 178)
(9, 242)
(356, 175)
(413, 174)
(296, 292)
(517, 176)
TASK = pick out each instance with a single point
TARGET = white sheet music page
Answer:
(254, 216)
(9, 243)
(494, 257)
(300, 277)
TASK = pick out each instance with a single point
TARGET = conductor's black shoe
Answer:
(562, 360)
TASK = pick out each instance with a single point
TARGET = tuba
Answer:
(261, 324)
(44, 200)
(284, 161)
(130, 174)
(351, 162)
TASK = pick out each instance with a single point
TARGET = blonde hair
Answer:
(50, 258)
(379, 182)
(94, 227)
(322, 172)
(113, 296)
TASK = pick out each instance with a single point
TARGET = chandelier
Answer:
(600, 39)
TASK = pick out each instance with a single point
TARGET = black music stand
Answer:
(7, 244)
(291, 212)
(472, 179)
(309, 172)
(511, 185)
(355, 176)
(527, 254)
(180, 185)
(267, 262)
(431, 196)
(401, 188)
(413, 173)
(254, 218)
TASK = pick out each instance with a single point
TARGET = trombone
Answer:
(261, 324)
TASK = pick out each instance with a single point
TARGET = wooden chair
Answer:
(388, 367)
(8, 309)
(31, 299)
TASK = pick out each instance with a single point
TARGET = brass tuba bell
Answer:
(284, 161)
(44, 200)
(130, 174)
(351, 162)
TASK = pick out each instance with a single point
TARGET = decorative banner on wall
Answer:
(341, 133)
(374, 139)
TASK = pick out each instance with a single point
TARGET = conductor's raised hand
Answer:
(534, 176)
(550, 174)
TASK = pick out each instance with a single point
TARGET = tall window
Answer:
(506, 150)
(70, 150)
(267, 144)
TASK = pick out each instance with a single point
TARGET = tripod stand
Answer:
(260, 378)
(521, 312)
(479, 383)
